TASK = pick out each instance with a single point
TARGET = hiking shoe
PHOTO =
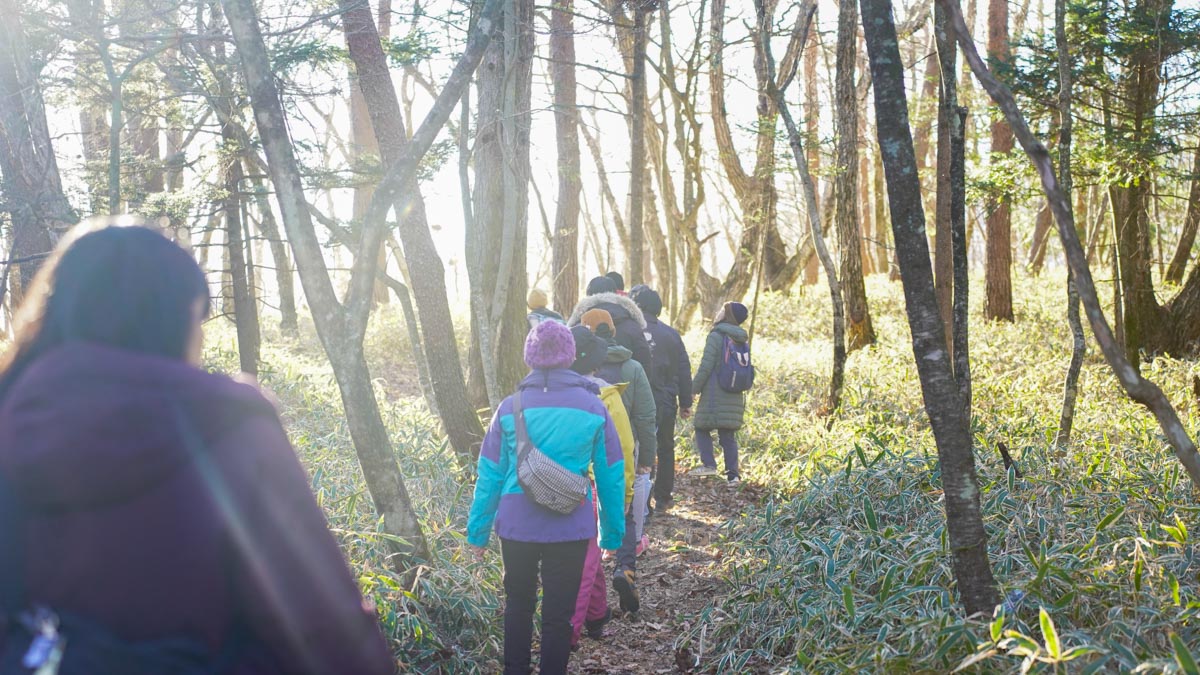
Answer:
(594, 628)
(642, 545)
(734, 482)
(623, 582)
(703, 471)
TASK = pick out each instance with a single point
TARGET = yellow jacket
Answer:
(611, 395)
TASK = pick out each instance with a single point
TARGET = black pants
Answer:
(664, 475)
(561, 571)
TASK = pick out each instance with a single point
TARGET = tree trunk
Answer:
(808, 186)
(459, 420)
(289, 322)
(1137, 387)
(637, 146)
(1066, 419)
(998, 262)
(860, 332)
(947, 119)
(812, 128)
(883, 257)
(245, 310)
(943, 402)
(371, 442)
(756, 193)
(1183, 252)
(1040, 240)
(32, 188)
(496, 247)
(566, 125)
(960, 240)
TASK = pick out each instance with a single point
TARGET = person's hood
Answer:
(618, 353)
(620, 307)
(87, 425)
(558, 380)
(735, 333)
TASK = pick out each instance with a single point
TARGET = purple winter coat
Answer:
(123, 527)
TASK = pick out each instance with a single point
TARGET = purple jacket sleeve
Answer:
(292, 583)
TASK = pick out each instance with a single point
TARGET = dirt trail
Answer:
(677, 577)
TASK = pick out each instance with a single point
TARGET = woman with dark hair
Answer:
(154, 506)
(719, 410)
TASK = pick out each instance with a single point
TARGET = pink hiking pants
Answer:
(592, 602)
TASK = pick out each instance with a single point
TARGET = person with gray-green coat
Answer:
(719, 410)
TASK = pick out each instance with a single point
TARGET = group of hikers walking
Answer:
(576, 458)
(154, 517)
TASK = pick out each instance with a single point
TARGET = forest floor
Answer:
(677, 577)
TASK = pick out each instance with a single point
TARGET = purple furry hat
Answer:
(549, 346)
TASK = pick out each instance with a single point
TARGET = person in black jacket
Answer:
(671, 381)
(628, 319)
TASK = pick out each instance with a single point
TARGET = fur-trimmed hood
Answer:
(620, 302)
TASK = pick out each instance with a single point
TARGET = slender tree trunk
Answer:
(860, 332)
(808, 186)
(1137, 387)
(496, 248)
(1183, 252)
(285, 284)
(566, 124)
(943, 402)
(960, 241)
(999, 304)
(32, 188)
(371, 441)
(1078, 343)
(947, 119)
(637, 145)
(428, 276)
(245, 310)
(812, 95)
(883, 257)
(1039, 242)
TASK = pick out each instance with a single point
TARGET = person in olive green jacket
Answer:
(719, 410)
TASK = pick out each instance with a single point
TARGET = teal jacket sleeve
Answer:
(645, 418)
(494, 459)
(708, 362)
(608, 466)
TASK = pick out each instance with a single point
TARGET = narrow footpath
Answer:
(677, 577)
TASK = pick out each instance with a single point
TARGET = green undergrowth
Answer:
(846, 566)
(448, 623)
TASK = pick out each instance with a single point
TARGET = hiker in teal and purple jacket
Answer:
(567, 421)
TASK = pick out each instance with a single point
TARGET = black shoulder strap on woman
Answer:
(523, 443)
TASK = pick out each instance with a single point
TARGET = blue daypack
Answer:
(735, 374)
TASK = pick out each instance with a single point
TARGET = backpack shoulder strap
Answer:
(12, 551)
